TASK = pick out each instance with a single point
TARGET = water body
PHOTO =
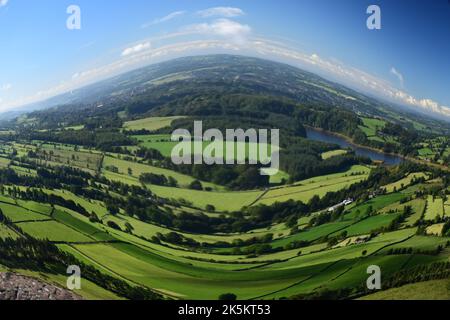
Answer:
(323, 136)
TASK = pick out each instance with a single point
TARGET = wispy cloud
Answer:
(352, 76)
(5, 87)
(169, 17)
(86, 45)
(226, 28)
(142, 54)
(227, 12)
(3, 3)
(399, 76)
(136, 48)
(83, 78)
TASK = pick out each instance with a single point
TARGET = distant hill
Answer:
(146, 89)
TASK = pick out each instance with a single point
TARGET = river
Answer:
(323, 136)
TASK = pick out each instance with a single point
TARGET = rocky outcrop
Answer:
(17, 287)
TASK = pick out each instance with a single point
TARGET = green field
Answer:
(400, 184)
(424, 152)
(94, 181)
(435, 208)
(333, 153)
(230, 201)
(368, 225)
(151, 124)
(6, 232)
(178, 273)
(75, 128)
(420, 243)
(305, 190)
(427, 290)
(218, 264)
(139, 168)
(53, 231)
(16, 214)
(4, 163)
(57, 155)
(222, 201)
(371, 126)
(435, 229)
(91, 206)
(418, 206)
(166, 146)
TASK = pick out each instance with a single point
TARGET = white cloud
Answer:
(224, 28)
(399, 76)
(136, 56)
(136, 48)
(83, 78)
(169, 17)
(357, 78)
(3, 3)
(227, 12)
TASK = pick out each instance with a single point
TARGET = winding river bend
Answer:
(323, 136)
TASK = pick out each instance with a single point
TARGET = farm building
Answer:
(341, 204)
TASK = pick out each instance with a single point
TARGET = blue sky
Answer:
(406, 61)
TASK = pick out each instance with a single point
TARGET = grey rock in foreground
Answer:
(16, 287)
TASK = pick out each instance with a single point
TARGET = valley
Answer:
(96, 187)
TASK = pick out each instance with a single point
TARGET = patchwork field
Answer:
(53, 231)
(302, 191)
(418, 206)
(54, 156)
(178, 273)
(222, 201)
(305, 190)
(371, 126)
(400, 184)
(17, 214)
(90, 182)
(123, 167)
(271, 261)
(245, 150)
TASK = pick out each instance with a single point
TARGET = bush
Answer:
(113, 225)
(196, 185)
(228, 297)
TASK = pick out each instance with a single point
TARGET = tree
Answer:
(113, 225)
(94, 218)
(172, 182)
(112, 208)
(196, 185)
(228, 297)
(292, 222)
(128, 227)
